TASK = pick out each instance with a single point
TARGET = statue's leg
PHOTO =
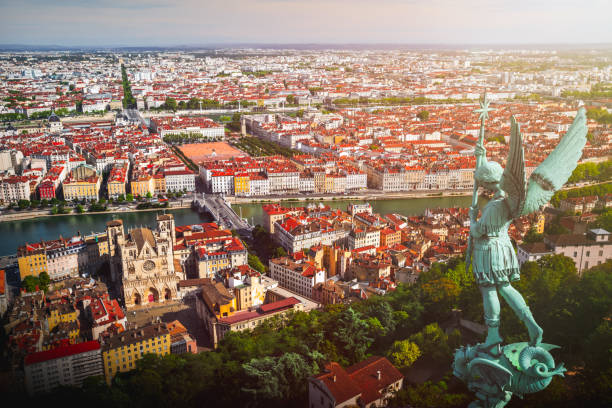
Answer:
(518, 305)
(490, 302)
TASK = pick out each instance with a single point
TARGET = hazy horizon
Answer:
(191, 23)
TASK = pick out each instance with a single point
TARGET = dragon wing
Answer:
(513, 178)
(554, 171)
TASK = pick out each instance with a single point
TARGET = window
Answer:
(588, 253)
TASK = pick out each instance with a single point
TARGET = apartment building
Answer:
(120, 351)
(299, 277)
(67, 365)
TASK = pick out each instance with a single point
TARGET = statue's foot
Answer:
(535, 331)
(535, 334)
(493, 336)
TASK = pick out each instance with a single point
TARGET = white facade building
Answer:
(297, 277)
(67, 365)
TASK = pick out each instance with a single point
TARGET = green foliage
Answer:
(597, 91)
(274, 379)
(23, 204)
(434, 343)
(554, 227)
(128, 99)
(600, 190)
(180, 138)
(30, 283)
(533, 236)
(600, 115)
(42, 281)
(12, 116)
(352, 333)
(129, 197)
(590, 171)
(604, 220)
(280, 252)
(256, 264)
(403, 353)
(258, 147)
(268, 366)
(423, 115)
(398, 101)
(429, 394)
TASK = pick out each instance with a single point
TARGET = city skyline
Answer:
(109, 23)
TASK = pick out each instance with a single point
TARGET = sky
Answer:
(203, 22)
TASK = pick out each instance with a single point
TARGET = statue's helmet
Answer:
(490, 172)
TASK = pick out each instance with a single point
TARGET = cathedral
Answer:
(142, 262)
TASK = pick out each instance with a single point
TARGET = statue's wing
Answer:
(513, 178)
(554, 171)
(489, 372)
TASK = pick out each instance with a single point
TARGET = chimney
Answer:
(334, 378)
(378, 375)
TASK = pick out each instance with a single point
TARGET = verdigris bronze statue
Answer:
(495, 372)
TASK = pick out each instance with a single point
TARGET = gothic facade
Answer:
(142, 262)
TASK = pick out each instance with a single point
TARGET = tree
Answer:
(352, 335)
(433, 343)
(44, 280)
(23, 204)
(533, 236)
(170, 104)
(280, 252)
(423, 115)
(274, 379)
(30, 283)
(121, 198)
(256, 264)
(79, 209)
(429, 394)
(291, 99)
(439, 296)
(149, 195)
(403, 353)
(129, 197)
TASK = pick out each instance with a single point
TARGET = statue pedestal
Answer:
(515, 369)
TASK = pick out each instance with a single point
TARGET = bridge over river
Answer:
(222, 213)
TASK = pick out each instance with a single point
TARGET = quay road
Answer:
(222, 212)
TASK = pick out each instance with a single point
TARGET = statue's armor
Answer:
(494, 259)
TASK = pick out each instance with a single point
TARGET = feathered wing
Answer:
(513, 178)
(554, 171)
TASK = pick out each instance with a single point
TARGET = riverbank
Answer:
(47, 228)
(42, 214)
(372, 196)
(341, 197)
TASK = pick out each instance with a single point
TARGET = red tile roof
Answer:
(61, 352)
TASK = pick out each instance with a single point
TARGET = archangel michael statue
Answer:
(492, 371)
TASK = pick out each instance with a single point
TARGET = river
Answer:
(17, 233)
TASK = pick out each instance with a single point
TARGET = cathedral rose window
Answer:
(148, 265)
